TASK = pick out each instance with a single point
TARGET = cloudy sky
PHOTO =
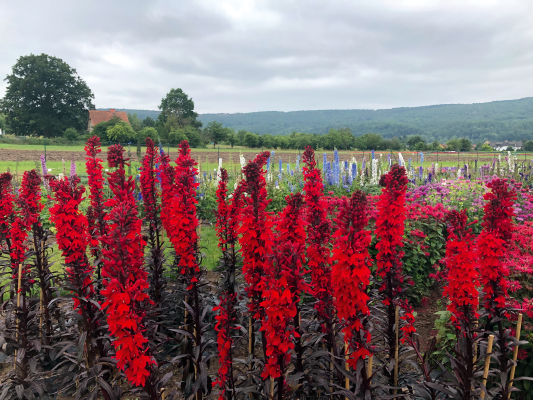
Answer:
(254, 55)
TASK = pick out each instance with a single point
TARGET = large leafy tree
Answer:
(179, 107)
(45, 96)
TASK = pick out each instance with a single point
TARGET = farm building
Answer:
(501, 146)
(97, 116)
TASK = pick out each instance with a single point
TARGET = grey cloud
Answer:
(233, 56)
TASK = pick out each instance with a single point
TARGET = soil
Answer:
(425, 318)
(233, 157)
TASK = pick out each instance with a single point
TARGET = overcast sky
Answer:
(253, 55)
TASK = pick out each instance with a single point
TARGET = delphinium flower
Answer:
(72, 168)
(125, 280)
(351, 274)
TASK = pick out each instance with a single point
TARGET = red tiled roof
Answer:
(97, 116)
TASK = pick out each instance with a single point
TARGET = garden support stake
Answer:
(396, 321)
(487, 364)
(18, 305)
(515, 353)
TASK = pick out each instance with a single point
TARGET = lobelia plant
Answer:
(494, 275)
(88, 334)
(23, 332)
(319, 262)
(350, 278)
(390, 225)
(284, 285)
(183, 224)
(96, 211)
(125, 280)
(227, 220)
(256, 240)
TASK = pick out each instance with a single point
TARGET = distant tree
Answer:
(120, 132)
(528, 145)
(45, 96)
(232, 139)
(420, 146)
(176, 103)
(465, 144)
(435, 145)
(369, 141)
(148, 123)
(414, 140)
(100, 129)
(175, 137)
(453, 144)
(216, 131)
(3, 123)
(70, 134)
(135, 122)
(251, 139)
(147, 132)
(509, 148)
(240, 137)
(395, 144)
(486, 147)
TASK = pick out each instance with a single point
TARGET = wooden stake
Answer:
(346, 367)
(515, 353)
(396, 319)
(487, 364)
(369, 367)
(18, 305)
(41, 316)
(271, 387)
(250, 339)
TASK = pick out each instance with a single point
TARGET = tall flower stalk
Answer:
(227, 221)
(281, 294)
(125, 280)
(351, 277)
(390, 227)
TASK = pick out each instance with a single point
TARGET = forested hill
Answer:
(505, 120)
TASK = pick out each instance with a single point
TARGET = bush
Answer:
(70, 134)
(121, 132)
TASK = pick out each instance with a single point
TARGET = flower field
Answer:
(106, 294)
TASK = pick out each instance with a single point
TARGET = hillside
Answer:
(508, 119)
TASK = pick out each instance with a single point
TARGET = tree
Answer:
(45, 96)
(135, 122)
(121, 132)
(528, 145)
(414, 140)
(70, 134)
(148, 123)
(216, 131)
(251, 139)
(486, 147)
(3, 123)
(465, 144)
(100, 129)
(175, 137)
(176, 103)
(147, 132)
(232, 139)
(240, 137)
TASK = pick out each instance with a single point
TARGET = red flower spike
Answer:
(283, 286)
(461, 275)
(351, 273)
(255, 231)
(493, 242)
(125, 280)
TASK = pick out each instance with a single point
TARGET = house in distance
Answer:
(97, 116)
(502, 146)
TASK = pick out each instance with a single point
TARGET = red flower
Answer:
(318, 236)
(148, 184)
(96, 211)
(390, 227)
(461, 276)
(351, 273)
(284, 284)
(6, 208)
(72, 236)
(255, 231)
(125, 280)
(492, 243)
